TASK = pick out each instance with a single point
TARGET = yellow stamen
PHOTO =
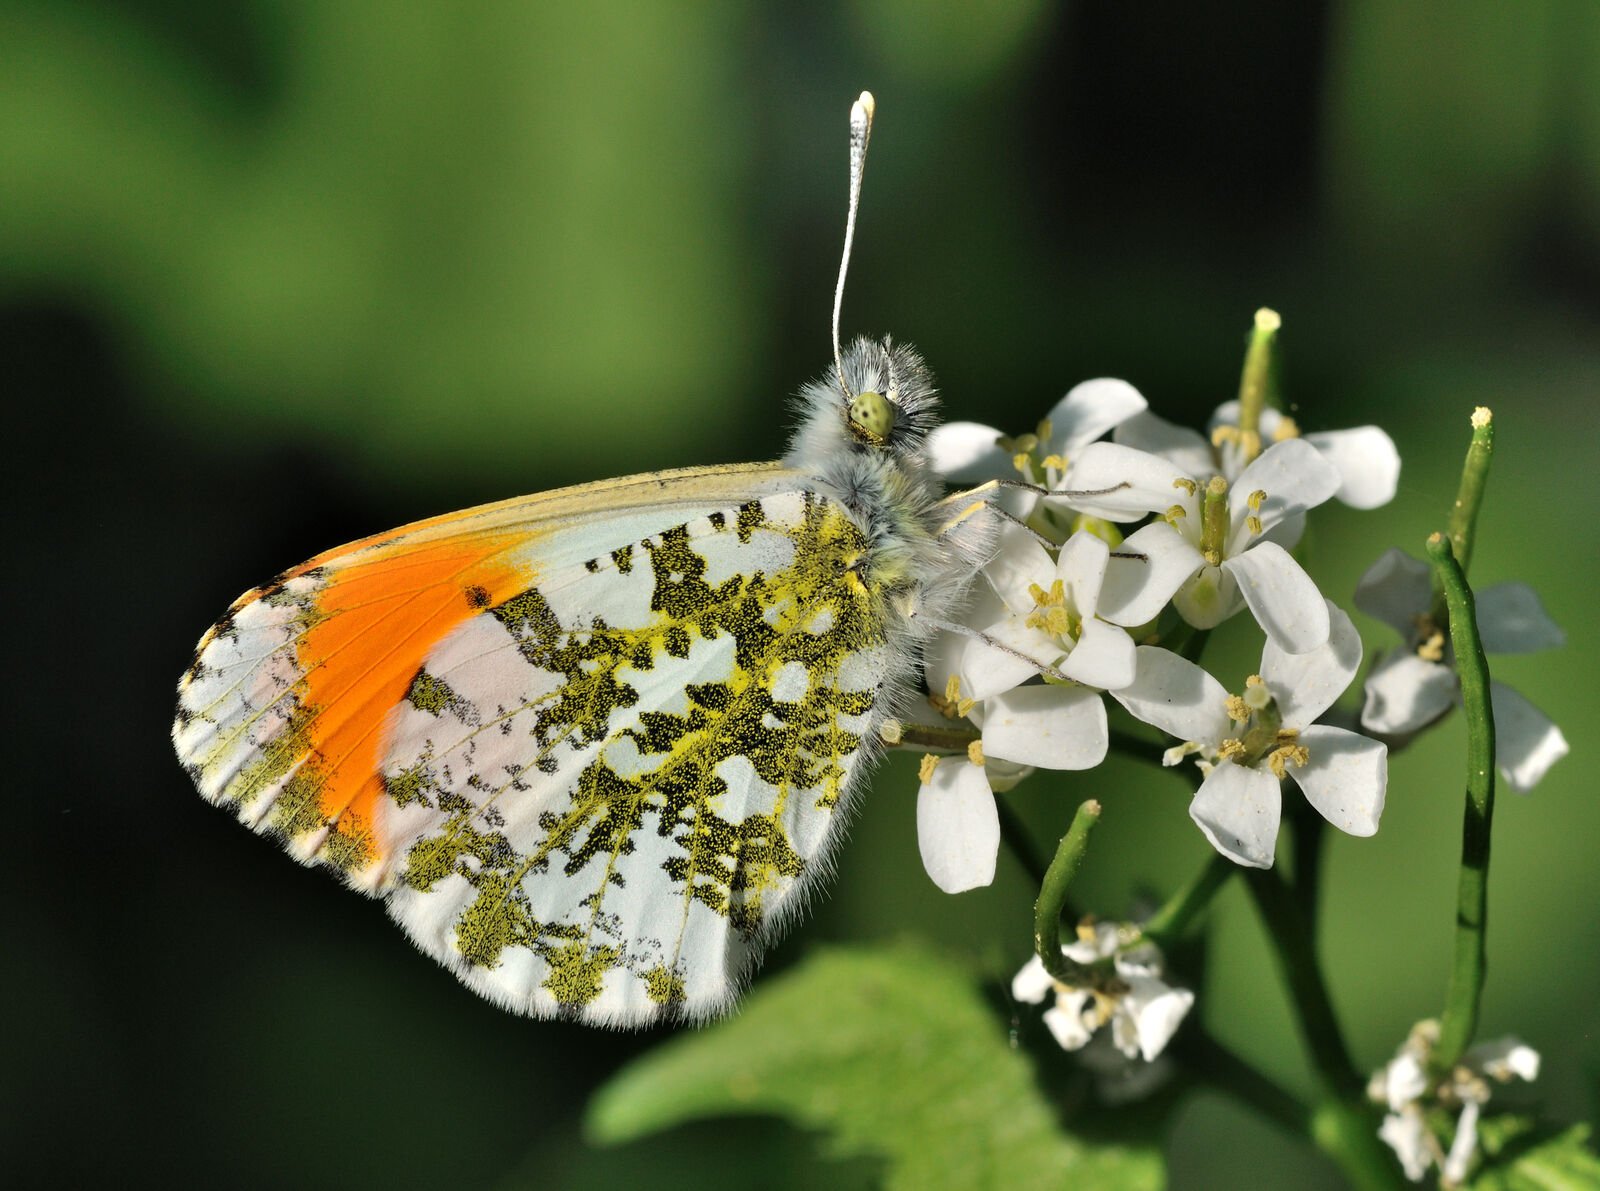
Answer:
(1253, 524)
(1431, 648)
(951, 704)
(1287, 428)
(1230, 749)
(1280, 759)
(925, 771)
(975, 752)
(1238, 710)
(1186, 485)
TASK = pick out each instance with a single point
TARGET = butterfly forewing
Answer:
(589, 766)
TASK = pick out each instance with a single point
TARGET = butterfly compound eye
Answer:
(872, 417)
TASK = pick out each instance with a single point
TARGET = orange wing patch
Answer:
(284, 712)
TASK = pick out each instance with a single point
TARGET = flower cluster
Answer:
(1122, 541)
(1416, 1099)
(1114, 553)
(1125, 989)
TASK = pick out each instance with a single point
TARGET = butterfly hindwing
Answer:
(590, 768)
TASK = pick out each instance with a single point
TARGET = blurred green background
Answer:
(276, 275)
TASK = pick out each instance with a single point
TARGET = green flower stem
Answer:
(1211, 1063)
(1474, 478)
(1172, 919)
(1459, 1022)
(934, 738)
(1309, 831)
(1291, 934)
(1053, 898)
(1469, 499)
(1016, 837)
(1255, 379)
(1347, 1131)
(1343, 1125)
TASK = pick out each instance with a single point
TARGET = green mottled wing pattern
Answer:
(602, 793)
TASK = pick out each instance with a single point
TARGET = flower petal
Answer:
(1081, 566)
(1307, 684)
(1453, 1171)
(1407, 1135)
(983, 671)
(1130, 483)
(1396, 590)
(1404, 1078)
(1032, 983)
(1065, 1021)
(958, 827)
(1051, 727)
(1019, 562)
(968, 453)
(1157, 1010)
(1208, 597)
(1237, 809)
(1178, 445)
(1512, 620)
(1004, 776)
(1504, 1059)
(1288, 532)
(1176, 696)
(1089, 410)
(1294, 477)
(1345, 779)
(1406, 693)
(1103, 657)
(986, 671)
(1282, 597)
(1527, 743)
(1136, 589)
(1367, 462)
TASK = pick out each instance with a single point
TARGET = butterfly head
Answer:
(885, 406)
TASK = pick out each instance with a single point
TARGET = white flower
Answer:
(958, 825)
(1144, 1011)
(1365, 457)
(1039, 613)
(1412, 686)
(1406, 1087)
(1027, 727)
(1043, 613)
(970, 453)
(1226, 545)
(1247, 744)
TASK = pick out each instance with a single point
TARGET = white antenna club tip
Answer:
(863, 109)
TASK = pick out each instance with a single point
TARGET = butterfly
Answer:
(593, 747)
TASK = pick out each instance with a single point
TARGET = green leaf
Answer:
(894, 1054)
(1520, 1155)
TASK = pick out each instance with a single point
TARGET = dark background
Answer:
(276, 275)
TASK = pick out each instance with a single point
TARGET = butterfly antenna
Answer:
(860, 133)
